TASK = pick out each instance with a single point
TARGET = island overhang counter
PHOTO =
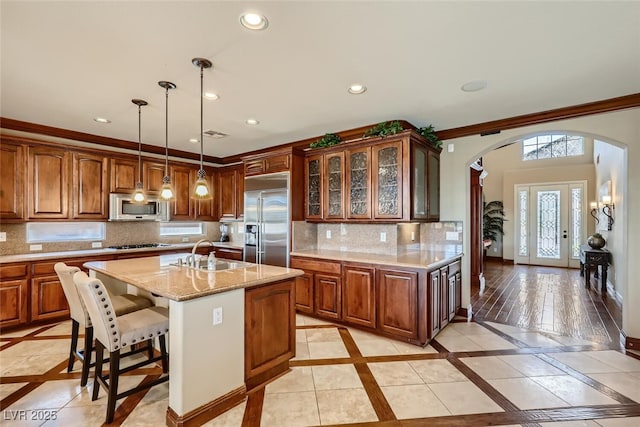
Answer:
(211, 366)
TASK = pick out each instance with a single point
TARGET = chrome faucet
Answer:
(191, 260)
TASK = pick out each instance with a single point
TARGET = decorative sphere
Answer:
(596, 241)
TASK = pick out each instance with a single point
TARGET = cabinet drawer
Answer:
(332, 267)
(12, 271)
(253, 167)
(454, 268)
(229, 253)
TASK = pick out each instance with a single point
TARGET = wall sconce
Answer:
(594, 211)
(607, 210)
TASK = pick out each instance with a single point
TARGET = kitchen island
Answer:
(230, 330)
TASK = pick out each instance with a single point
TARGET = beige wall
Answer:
(506, 169)
(611, 166)
(621, 128)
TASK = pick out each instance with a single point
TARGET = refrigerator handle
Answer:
(260, 242)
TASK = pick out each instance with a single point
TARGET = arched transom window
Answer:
(552, 146)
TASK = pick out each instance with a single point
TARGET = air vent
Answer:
(214, 134)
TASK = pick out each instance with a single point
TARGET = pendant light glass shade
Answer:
(138, 195)
(166, 192)
(201, 190)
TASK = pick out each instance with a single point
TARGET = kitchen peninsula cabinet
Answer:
(48, 172)
(392, 179)
(14, 284)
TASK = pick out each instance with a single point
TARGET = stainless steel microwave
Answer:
(123, 208)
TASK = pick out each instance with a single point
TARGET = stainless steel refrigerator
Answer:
(266, 219)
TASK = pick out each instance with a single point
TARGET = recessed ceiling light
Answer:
(212, 96)
(252, 122)
(254, 21)
(474, 86)
(357, 89)
(194, 140)
(101, 120)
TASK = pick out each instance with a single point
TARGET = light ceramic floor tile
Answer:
(334, 377)
(621, 362)
(619, 422)
(323, 335)
(457, 343)
(147, 413)
(290, 409)
(622, 382)
(28, 365)
(63, 328)
(70, 416)
(327, 350)
(532, 339)
(437, 371)
(308, 321)
(53, 347)
(19, 333)
(345, 406)
(581, 362)
(527, 394)
(530, 365)
(573, 391)
(508, 329)
(377, 348)
(83, 398)
(414, 401)
(301, 335)
(49, 395)
(155, 393)
(296, 380)
(464, 398)
(232, 418)
(565, 340)
(580, 423)
(359, 335)
(491, 342)
(491, 367)
(469, 329)
(406, 348)
(302, 351)
(394, 373)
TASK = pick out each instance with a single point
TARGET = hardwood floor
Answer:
(549, 300)
(533, 368)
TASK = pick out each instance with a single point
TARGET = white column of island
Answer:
(211, 367)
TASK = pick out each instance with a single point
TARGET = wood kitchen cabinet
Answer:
(14, 285)
(124, 175)
(358, 295)
(90, 186)
(228, 253)
(398, 302)
(152, 175)
(304, 293)
(434, 303)
(392, 179)
(183, 207)
(12, 182)
(231, 192)
(274, 161)
(320, 288)
(48, 172)
(444, 296)
(269, 331)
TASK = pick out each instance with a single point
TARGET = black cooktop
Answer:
(140, 245)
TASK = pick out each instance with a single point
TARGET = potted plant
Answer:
(327, 140)
(492, 220)
(429, 134)
(384, 129)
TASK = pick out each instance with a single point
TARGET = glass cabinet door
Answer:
(334, 185)
(313, 194)
(433, 185)
(358, 162)
(419, 182)
(387, 180)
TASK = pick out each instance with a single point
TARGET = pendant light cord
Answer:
(201, 114)
(139, 144)
(166, 132)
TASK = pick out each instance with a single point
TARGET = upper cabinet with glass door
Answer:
(390, 179)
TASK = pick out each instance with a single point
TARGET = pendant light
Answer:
(138, 194)
(166, 192)
(201, 189)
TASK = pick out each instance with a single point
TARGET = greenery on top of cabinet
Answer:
(327, 140)
(385, 129)
(429, 134)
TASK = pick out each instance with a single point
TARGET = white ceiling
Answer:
(63, 63)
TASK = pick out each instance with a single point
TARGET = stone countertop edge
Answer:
(180, 283)
(42, 256)
(425, 259)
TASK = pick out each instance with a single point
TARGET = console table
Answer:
(594, 257)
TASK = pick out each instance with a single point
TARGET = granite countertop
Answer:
(41, 256)
(156, 274)
(426, 258)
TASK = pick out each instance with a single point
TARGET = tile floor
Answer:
(483, 373)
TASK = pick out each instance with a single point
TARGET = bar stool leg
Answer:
(98, 370)
(86, 355)
(75, 327)
(112, 389)
(163, 352)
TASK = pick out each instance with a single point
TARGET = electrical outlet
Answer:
(185, 239)
(3, 236)
(343, 229)
(383, 236)
(35, 247)
(413, 236)
(217, 316)
(96, 244)
(328, 234)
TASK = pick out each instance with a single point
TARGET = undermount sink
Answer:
(217, 265)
